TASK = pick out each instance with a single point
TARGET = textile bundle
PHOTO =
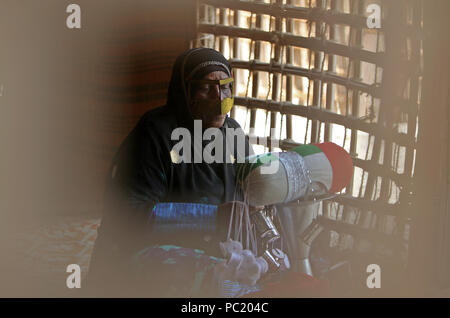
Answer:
(287, 176)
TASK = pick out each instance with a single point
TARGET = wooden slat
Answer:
(312, 74)
(283, 38)
(324, 115)
(295, 12)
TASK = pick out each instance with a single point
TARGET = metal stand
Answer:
(294, 220)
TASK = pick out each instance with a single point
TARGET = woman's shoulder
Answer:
(153, 127)
(158, 118)
(151, 132)
(232, 123)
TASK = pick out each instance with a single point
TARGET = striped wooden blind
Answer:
(313, 71)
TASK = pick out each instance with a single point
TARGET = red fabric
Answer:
(293, 285)
(341, 163)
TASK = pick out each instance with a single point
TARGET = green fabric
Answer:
(254, 162)
(306, 150)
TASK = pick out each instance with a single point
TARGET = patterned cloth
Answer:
(174, 271)
(172, 217)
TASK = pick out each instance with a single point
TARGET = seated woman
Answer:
(162, 234)
(147, 170)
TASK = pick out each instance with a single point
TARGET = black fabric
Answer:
(142, 174)
(198, 56)
(208, 69)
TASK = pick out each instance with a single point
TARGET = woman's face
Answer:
(206, 99)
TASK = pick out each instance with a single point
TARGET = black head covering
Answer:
(203, 61)
(192, 64)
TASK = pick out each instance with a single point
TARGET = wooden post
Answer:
(222, 21)
(356, 76)
(255, 83)
(289, 78)
(236, 55)
(331, 69)
(276, 82)
(317, 99)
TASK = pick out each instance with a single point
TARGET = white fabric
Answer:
(241, 265)
(291, 180)
(320, 169)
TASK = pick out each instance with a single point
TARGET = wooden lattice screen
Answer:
(312, 71)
